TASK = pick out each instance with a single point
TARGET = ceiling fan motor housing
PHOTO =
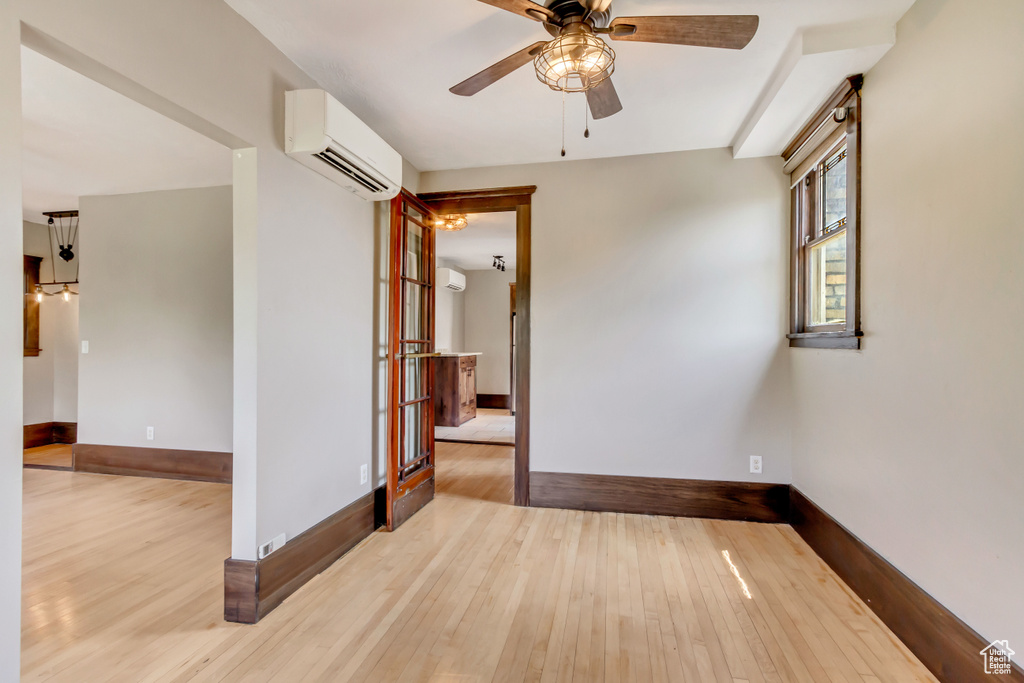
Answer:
(569, 10)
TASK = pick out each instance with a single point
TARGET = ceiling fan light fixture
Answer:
(451, 223)
(575, 61)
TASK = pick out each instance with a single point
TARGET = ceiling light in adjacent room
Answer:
(451, 223)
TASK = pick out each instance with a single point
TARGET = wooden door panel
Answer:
(411, 355)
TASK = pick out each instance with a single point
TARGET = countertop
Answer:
(460, 355)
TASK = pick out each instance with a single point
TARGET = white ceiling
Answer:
(81, 138)
(393, 62)
(486, 236)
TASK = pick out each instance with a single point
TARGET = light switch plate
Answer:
(85, 346)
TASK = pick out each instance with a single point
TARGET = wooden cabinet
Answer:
(454, 390)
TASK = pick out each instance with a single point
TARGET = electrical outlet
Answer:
(755, 464)
(270, 546)
(364, 475)
(85, 346)
(149, 433)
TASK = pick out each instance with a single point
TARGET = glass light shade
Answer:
(451, 223)
(575, 61)
(66, 293)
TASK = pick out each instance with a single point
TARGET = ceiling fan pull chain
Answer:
(563, 123)
(586, 119)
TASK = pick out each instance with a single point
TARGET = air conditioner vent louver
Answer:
(325, 136)
(329, 156)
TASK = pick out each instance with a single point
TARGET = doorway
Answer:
(435, 206)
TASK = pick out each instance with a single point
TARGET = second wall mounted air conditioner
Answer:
(322, 134)
(450, 279)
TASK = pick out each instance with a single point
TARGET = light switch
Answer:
(85, 346)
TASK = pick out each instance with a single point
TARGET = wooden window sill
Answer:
(825, 340)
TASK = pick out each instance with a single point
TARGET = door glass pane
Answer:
(414, 252)
(415, 371)
(827, 281)
(415, 313)
(413, 443)
(833, 190)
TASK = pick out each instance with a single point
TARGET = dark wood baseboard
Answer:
(46, 433)
(38, 435)
(165, 463)
(253, 588)
(751, 502)
(945, 644)
(65, 432)
(494, 401)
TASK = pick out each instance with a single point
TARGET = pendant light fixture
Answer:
(62, 228)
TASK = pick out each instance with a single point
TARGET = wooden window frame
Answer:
(805, 167)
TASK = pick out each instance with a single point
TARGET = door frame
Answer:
(518, 199)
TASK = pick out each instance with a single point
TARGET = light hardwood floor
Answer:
(490, 424)
(123, 583)
(53, 455)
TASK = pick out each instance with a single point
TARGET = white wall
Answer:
(449, 315)
(51, 378)
(302, 361)
(156, 310)
(487, 327)
(11, 344)
(924, 463)
(658, 313)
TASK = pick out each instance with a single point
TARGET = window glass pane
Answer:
(415, 314)
(827, 281)
(414, 252)
(415, 372)
(833, 190)
(414, 444)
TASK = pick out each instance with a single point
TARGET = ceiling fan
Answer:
(578, 60)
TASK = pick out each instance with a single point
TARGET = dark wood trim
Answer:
(478, 443)
(163, 463)
(37, 435)
(518, 199)
(750, 502)
(825, 340)
(253, 588)
(479, 201)
(524, 275)
(494, 401)
(46, 433)
(412, 502)
(65, 432)
(850, 86)
(945, 644)
(241, 590)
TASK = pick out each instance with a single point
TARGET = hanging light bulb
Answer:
(39, 293)
(66, 293)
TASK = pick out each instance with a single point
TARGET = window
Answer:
(824, 163)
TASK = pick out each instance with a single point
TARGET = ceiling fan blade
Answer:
(525, 8)
(496, 72)
(603, 100)
(728, 31)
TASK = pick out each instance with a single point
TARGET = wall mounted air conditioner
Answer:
(451, 279)
(327, 137)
